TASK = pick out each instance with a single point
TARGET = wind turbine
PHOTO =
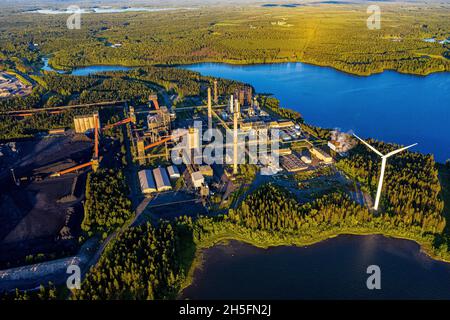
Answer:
(384, 158)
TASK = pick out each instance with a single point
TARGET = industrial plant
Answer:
(155, 133)
(55, 166)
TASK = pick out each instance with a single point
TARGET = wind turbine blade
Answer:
(399, 150)
(368, 145)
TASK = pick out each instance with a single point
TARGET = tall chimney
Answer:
(237, 108)
(209, 109)
(216, 97)
(231, 104)
(235, 143)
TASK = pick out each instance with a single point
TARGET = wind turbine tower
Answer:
(384, 158)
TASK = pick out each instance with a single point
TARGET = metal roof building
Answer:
(173, 171)
(197, 179)
(162, 179)
(292, 163)
(306, 159)
(321, 155)
(146, 181)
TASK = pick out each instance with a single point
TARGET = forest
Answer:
(145, 263)
(318, 132)
(411, 184)
(272, 208)
(135, 86)
(273, 105)
(107, 206)
(326, 35)
(271, 216)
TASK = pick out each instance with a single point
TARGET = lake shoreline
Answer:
(246, 64)
(199, 259)
(69, 70)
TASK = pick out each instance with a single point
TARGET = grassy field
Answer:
(329, 35)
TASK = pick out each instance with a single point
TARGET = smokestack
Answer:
(216, 97)
(235, 143)
(209, 109)
(237, 108)
(96, 128)
(231, 104)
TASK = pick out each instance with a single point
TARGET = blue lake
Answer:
(85, 71)
(390, 106)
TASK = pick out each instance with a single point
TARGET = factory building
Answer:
(255, 125)
(158, 124)
(306, 159)
(283, 151)
(281, 124)
(147, 182)
(162, 179)
(84, 123)
(321, 155)
(292, 163)
(173, 172)
(244, 96)
(197, 179)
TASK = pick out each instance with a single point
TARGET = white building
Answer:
(173, 171)
(162, 179)
(306, 159)
(197, 179)
(321, 155)
(146, 181)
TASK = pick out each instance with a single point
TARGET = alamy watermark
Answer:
(74, 20)
(374, 20)
(373, 282)
(74, 280)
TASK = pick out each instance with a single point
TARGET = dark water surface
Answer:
(332, 269)
(388, 106)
